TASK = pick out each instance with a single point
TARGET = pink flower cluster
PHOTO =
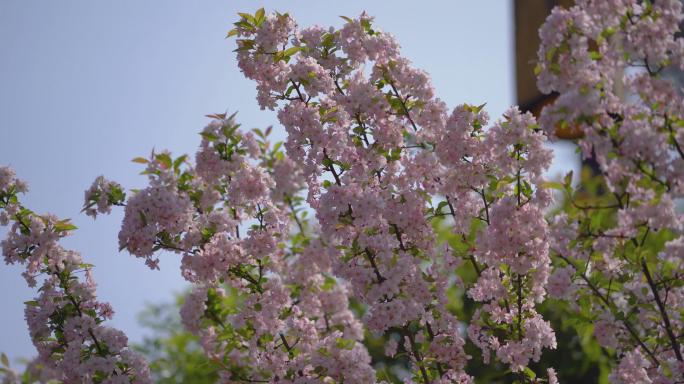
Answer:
(101, 196)
(10, 186)
(376, 148)
(155, 216)
(66, 320)
(374, 171)
(618, 259)
(229, 217)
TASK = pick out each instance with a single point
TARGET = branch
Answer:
(663, 311)
(609, 306)
(403, 106)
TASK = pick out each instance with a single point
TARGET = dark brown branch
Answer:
(403, 106)
(416, 354)
(630, 328)
(371, 260)
(662, 309)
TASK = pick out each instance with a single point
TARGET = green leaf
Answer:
(232, 32)
(347, 19)
(64, 225)
(567, 180)
(247, 17)
(259, 16)
(291, 51)
(208, 136)
(328, 40)
(550, 53)
(246, 42)
(244, 45)
(217, 116)
(553, 185)
(537, 69)
(143, 218)
(164, 159)
(4, 359)
(343, 343)
(608, 32)
(140, 160)
(441, 205)
(244, 25)
(365, 23)
(329, 283)
(116, 195)
(530, 373)
(180, 160)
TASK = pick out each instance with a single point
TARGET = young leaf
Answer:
(441, 205)
(291, 51)
(180, 160)
(259, 16)
(217, 116)
(567, 180)
(208, 136)
(530, 373)
(64, 225)
(164, 159)
(553, 185)
(247, 17)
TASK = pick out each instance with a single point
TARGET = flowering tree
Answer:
(620, 255)
(383, 210)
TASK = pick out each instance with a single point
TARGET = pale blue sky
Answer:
(87, 85)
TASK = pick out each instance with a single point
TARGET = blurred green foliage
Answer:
(175, 355)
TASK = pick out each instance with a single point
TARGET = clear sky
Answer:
(87, 85)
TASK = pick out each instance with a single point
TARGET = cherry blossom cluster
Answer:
(384, 163)
(264, 302)
(514, 245)
(101, 195)
(619, 248)
(66, 320)
(301, 252)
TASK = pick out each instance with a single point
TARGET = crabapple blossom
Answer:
(372, 149)
(632, 369)
(101, 196)
(65, 320)
(384, 209)
(292, 322)
(150, 213)
(618, 249)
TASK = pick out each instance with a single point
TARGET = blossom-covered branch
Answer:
(620, 248)
(66, 319)
(377, 148)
